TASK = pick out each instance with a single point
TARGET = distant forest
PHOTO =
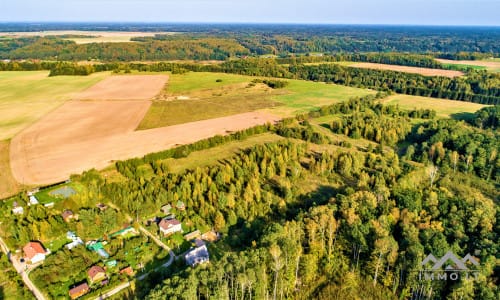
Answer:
(221, 42)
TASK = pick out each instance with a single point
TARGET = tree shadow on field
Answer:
(463, 116)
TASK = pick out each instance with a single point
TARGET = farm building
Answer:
(79, 290)
(34, 252)
(168, 227)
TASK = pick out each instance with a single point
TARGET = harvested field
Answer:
(133, 87)
(85, 37)
(74, 123)
(8, 185)
(56, 147)
(25, 97)
(405, 69)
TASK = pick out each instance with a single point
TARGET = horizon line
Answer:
(244, 23)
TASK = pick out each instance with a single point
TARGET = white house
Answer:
(197, 256)
(77, 241)
(168, 227)
(33, 200)
(19, 210)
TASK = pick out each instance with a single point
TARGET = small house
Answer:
(192, 235)
(33, 200)
(101, 206)
(96, 274)
(79, 290)
(127, 271)
(18, 210)
(67, 215)
(34, 252)
(168, 227)
(210, 236)
(70, 235)
(196, 256)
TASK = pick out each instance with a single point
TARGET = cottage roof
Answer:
(67, 213)
(166, 224)
(33, 248)
(93, 271)
(79, 289)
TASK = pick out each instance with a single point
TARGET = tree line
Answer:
(478, 86)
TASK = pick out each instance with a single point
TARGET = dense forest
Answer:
(312, 216)
(220, 42)
(338, 223)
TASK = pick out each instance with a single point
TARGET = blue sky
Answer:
(424, 12)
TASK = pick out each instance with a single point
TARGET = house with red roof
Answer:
(97, 274)
(34, 252)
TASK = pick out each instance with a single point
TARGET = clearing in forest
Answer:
(492, 65)
(405, 69)
(444, 108)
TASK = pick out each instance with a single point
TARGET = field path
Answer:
(47, 153)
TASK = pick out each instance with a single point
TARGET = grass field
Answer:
(45, 197)
(199, 96)
(492, 65)
(8, 185)
(302, 96)
(194, 81)
(465, 66)
(444, 108)
(27, 96)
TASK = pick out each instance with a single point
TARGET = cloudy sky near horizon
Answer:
(420, 12)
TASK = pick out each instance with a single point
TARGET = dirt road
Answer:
(21, 269)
